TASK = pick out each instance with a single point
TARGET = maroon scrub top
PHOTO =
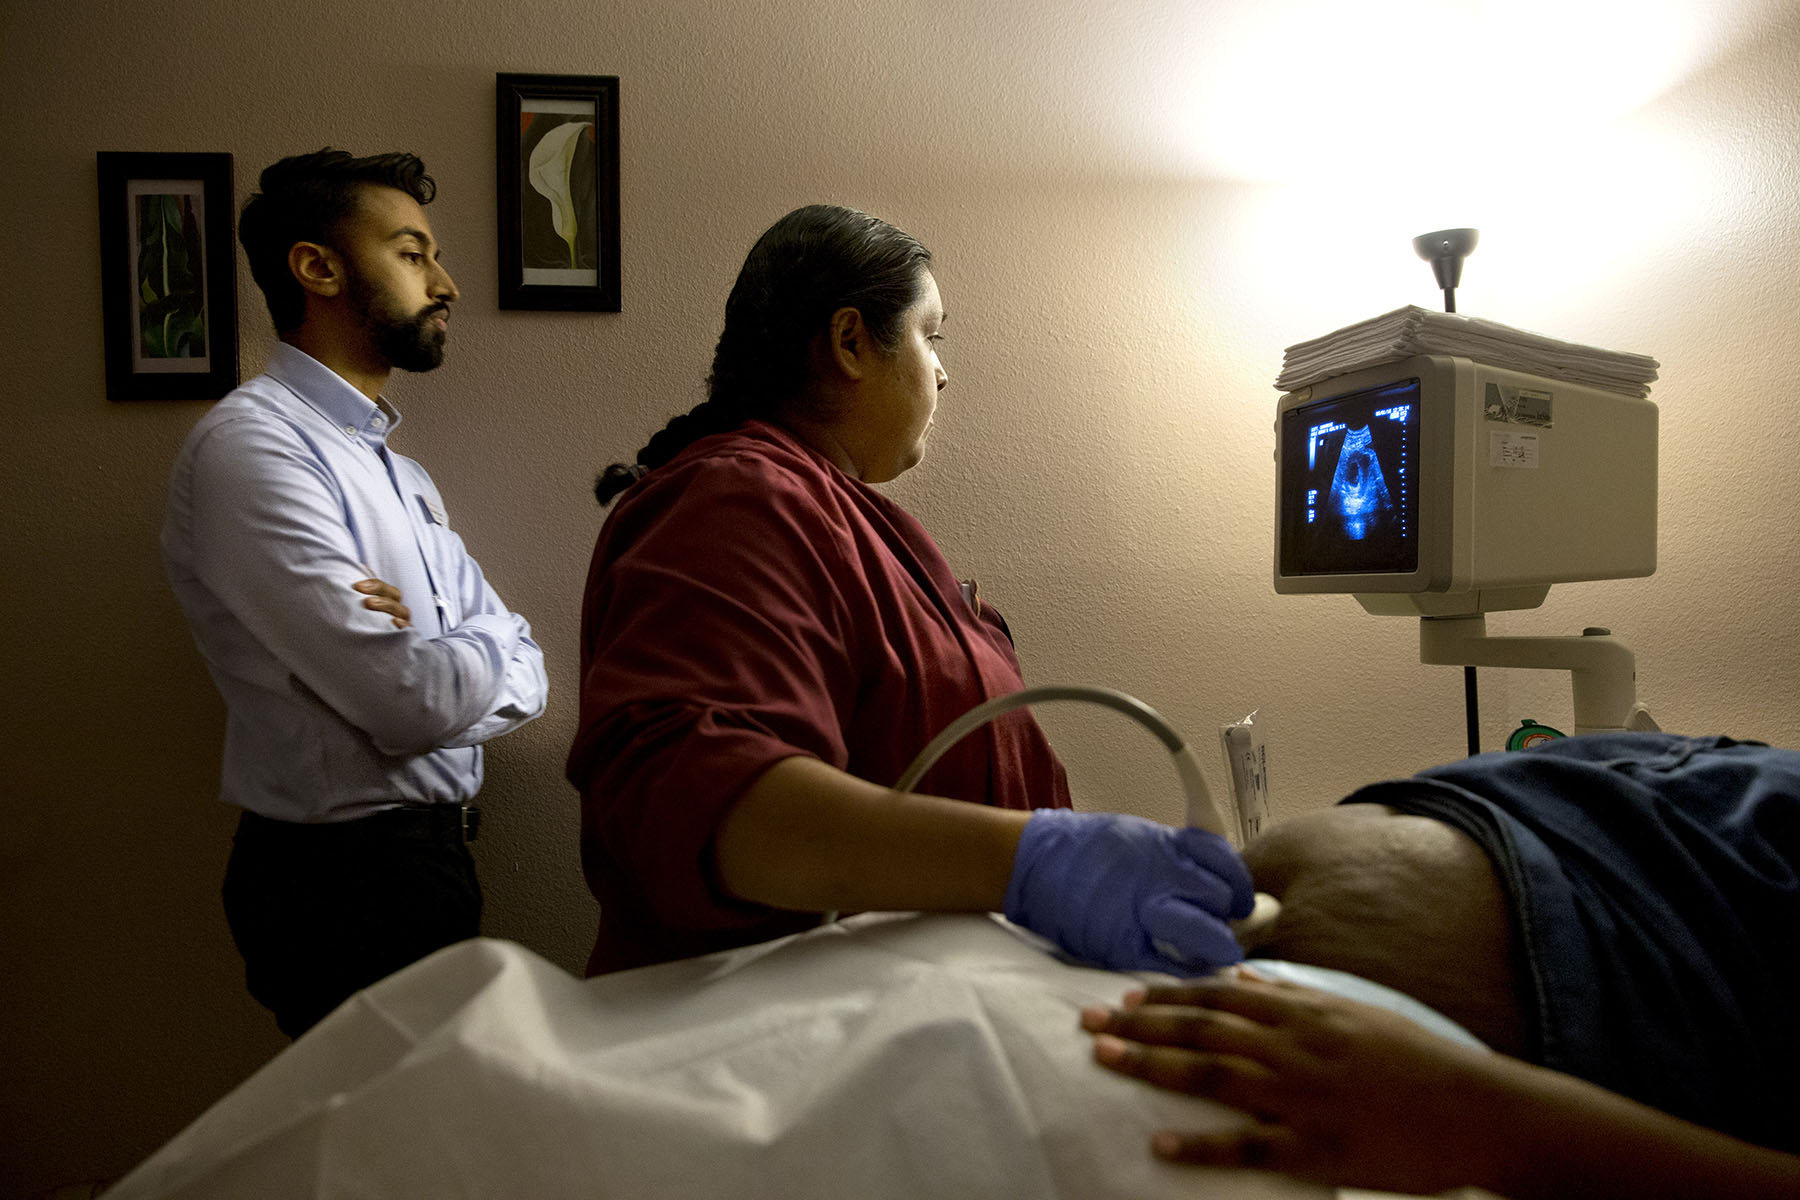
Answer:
(749, 602)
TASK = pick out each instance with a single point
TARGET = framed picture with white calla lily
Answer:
(557, 176)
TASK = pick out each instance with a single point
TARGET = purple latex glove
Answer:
(1129, 894)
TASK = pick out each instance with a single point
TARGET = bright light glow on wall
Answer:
(1315, 88)
(1530, 120)
(1560, 234)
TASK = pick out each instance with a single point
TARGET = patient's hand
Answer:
(1355, 1096)
(1344, 1093)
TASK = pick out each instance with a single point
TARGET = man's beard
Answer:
(410, 343)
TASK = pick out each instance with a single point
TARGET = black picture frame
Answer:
(169, 321)
(557, 189)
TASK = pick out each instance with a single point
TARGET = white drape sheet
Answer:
(885, 1056)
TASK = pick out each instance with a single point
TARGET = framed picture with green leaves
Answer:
(168, 286)
(557, 177)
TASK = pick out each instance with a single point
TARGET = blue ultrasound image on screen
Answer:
(1349, 503)
(1359, 494)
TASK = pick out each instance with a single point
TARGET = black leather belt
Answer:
(460, 822)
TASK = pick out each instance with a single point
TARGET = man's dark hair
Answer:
(303, 199)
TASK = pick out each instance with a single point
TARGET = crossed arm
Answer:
(383, 597)
(1348, 1094)
(380, 596)
(268, 541)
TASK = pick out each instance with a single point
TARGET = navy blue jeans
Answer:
(1655, 885)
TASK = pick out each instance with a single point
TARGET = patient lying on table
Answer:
(1622, 909)
(1619, 910)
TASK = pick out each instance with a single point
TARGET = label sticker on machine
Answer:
(1517, 405)
(1515, 450)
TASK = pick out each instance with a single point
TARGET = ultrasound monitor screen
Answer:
(1349, 497)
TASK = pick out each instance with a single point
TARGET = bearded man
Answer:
(361, 654)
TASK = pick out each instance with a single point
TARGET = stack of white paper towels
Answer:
(1413, 330)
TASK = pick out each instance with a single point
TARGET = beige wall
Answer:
(1101, 464)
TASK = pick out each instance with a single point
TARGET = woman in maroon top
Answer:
(767, 641)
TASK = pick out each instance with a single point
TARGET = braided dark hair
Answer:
(811, 263)
(303, 198)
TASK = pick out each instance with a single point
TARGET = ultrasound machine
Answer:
(1444, 488)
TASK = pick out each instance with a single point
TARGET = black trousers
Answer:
(321, 911)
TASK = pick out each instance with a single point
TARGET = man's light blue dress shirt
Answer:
(282, 497)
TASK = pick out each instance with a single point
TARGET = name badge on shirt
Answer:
(434, 512)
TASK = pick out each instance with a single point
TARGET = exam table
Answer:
(888, 1055)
